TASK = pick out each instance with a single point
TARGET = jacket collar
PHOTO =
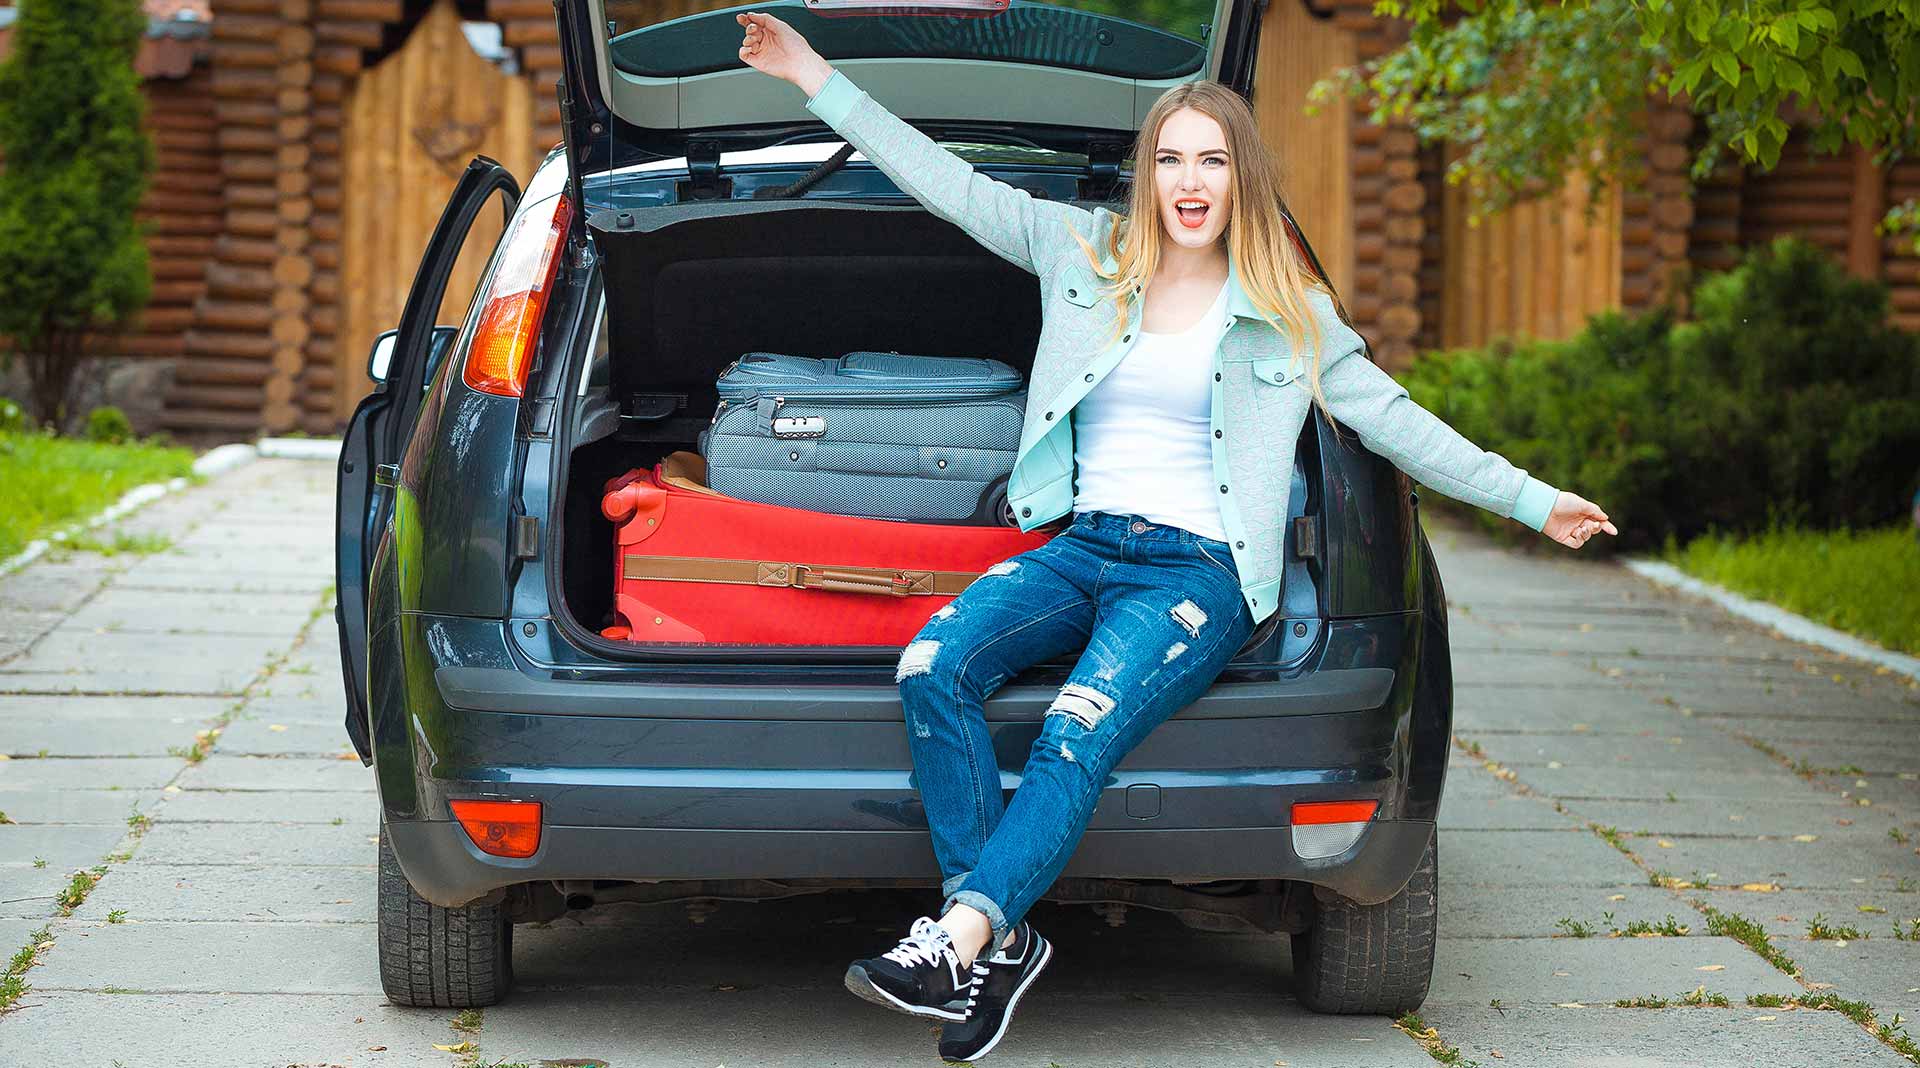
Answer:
(1238, 303)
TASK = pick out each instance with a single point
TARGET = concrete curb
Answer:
(299, 448)
(1795, 626)
(215, 461)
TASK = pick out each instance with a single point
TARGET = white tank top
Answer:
(1142, 439)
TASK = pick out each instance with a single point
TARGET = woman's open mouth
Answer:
(1193, 213)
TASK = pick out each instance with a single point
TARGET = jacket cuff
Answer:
(1535, 503)
(835, 99)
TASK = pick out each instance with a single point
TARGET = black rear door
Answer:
(384, 421)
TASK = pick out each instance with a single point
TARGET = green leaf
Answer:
(1687, 75)
(1791, 75)
(1830, 61)
(1751, 142)
(1850, 63)
(1727, 67)
(1786, 32)
(1700, 21)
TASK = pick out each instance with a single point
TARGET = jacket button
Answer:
(1223, 487)
(1024, 512)
(1089, 378)
(1049, 415)
(1216, 433)
(1126, 337)
(1073, 292)
(1216, 376)
(1239, 544)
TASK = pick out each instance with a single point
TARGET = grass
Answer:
(13, 982)
(1750, 934)
(1430, 1039)
(47, 482)
(1839, 578)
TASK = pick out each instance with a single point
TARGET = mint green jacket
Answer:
(1260, 396)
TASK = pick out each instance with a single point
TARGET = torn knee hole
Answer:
(916, 659)
(1085, 704)
(1004, 567)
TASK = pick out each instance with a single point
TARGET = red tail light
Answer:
(516, 298)
(1309, 812)
(502, 828)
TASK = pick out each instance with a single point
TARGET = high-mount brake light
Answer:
(502, 828)
(516, 298)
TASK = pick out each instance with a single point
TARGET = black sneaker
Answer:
(998, 982)
(921, 976)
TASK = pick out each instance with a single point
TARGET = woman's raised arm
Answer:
(1004, 219)
(1390, 423)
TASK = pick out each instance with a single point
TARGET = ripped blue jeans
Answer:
(1157, 610)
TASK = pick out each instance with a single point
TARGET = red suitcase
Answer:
(691, 565)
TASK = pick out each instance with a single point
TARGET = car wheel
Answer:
(1355, 958)
(456, 958)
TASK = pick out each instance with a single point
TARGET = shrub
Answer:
(1787, 398)
(73, 259)
(109, 424)
(13, 418)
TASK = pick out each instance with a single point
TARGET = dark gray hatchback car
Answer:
(527, 766)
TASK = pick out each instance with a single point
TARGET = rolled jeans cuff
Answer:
(976, 900)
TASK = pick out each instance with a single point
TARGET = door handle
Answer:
(387, 475)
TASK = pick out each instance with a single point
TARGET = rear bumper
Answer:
(443, 865)
(789, 774)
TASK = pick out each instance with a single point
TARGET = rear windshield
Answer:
(1147, 39)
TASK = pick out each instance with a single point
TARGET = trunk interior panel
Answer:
(691, 287)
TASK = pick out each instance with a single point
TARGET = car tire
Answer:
(430, 956)
(1355, 958)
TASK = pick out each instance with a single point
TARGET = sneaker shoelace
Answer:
(926, 943)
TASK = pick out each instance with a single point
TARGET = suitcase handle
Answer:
(845, 580)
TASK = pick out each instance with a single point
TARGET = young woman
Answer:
(1171, 346)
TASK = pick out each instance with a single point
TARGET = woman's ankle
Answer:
(970, 929)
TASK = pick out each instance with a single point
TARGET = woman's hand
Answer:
(775, 48)
(1574, 519)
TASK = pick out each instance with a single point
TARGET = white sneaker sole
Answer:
(1013, 1001)
(863, 988)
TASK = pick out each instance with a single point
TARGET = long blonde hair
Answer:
(1273, 273)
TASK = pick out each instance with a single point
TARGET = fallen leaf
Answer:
(1839, 942)
(1711, 968)
(1766, 1017)
(1806, 837)
(1759, 888)
(276, 726)
(1664, 844)
(1553, 763)
(171, 790)
(376, 1049)
(1871, 908)
(1819, 986)
(464, 1047)
(1568, 1005)
(1616, 897)
(1563, 973)
(1844, 822)
(1496, 1055)
(1586, 628)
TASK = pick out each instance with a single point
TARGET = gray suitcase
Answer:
(926, 439)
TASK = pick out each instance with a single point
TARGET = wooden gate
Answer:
(410, 126)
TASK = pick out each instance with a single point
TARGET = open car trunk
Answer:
(689, 288)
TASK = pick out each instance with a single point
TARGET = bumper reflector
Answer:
(501, 828)
(1329, 828)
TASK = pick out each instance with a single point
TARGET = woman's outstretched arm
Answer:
(1390, 423)
(997, 215)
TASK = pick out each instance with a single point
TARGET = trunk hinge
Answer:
(1103, 170)
(704, 180)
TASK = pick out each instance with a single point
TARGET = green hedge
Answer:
(1787, 398)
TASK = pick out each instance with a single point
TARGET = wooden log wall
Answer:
(1834, 201)
(227, 351)
(182, 206)
(1656, 220)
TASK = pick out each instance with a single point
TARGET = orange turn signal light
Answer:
(501, 352)
(501, 828)
(1311, 812)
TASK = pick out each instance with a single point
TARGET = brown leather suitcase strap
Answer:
(894, 582)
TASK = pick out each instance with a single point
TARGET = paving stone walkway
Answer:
(232, 920)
